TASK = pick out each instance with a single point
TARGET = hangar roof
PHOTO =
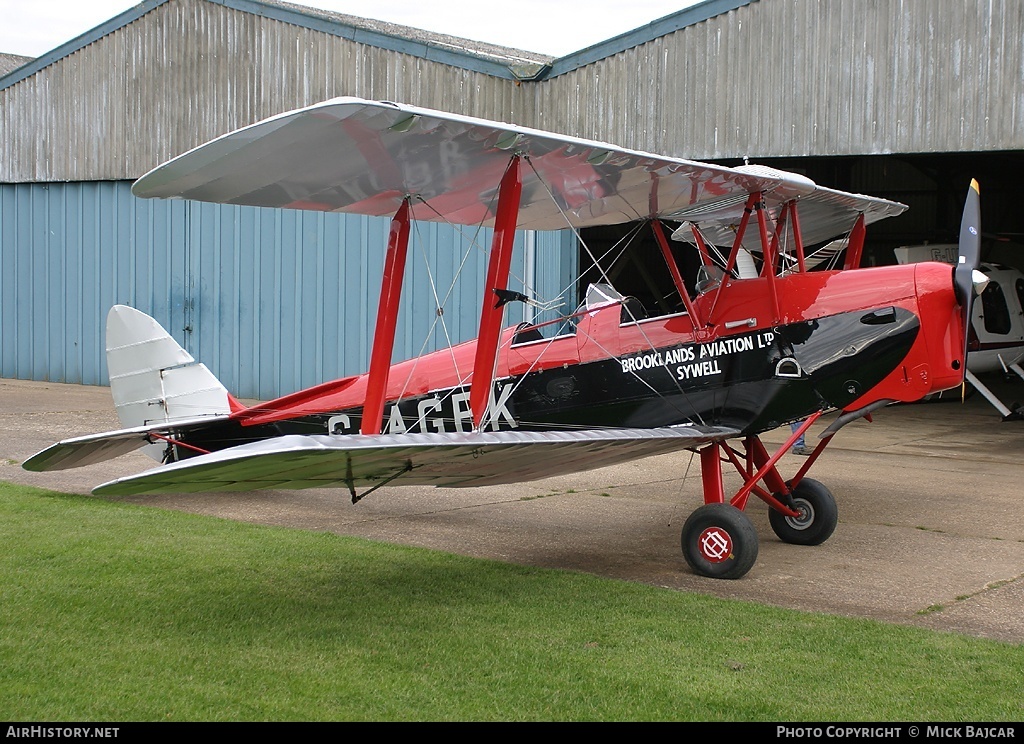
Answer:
(504, 62)
(10, 62)
(720, 79)
(490, 58)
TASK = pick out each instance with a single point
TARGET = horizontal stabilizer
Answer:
(94, 448)
(451, 459)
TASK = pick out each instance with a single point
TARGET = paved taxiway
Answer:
(931, 512)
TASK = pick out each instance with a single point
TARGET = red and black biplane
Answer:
(759, 340)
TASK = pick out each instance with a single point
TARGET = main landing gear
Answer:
(720, 541)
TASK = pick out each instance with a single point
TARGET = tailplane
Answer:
(159, 391)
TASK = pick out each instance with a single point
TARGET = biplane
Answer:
(763, 335)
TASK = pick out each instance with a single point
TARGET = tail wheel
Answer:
(719, 541)
(818, 515)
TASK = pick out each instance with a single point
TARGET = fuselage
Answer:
(839, 340)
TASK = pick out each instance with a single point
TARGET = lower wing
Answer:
(467, 459)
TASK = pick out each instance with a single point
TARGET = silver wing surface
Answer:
(453, 460)
(365, 157)
(94, 448)
(824, 214)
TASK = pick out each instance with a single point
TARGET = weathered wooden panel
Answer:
(190, 70)
(808, 77)
(770, 78)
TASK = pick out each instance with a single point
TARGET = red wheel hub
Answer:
(715, 545)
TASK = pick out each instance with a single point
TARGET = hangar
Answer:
(905, 99)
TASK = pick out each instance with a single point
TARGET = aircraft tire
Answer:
(719, 541)
(818, 520)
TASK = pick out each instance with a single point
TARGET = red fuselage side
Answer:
(929, 359)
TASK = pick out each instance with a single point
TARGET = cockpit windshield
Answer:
(599, 295)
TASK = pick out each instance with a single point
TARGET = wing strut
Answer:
(752, 201)
(497, 278)
(769, 257)
(677, 278)
(856, 246)
(387, 319)
(798, 238)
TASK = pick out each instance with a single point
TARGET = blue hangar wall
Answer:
(272, 301)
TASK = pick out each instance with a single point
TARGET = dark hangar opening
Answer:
(932, 185)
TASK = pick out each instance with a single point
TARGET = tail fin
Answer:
(152, 379)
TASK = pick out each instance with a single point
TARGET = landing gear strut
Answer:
(719, 540)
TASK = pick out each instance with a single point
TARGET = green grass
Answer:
(116, 612)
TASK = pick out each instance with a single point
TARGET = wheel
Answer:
(818, 515)
(719, 541)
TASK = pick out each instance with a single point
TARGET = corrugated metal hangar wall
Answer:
(880, 97)
(271, 300)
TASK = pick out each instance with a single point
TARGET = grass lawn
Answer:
(117, 612)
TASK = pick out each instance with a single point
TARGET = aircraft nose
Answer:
(942, 325)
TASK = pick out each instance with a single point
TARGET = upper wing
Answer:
(355, 461)
(824, 213)
(351, 155)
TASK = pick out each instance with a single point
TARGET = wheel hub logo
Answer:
(715, 544)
